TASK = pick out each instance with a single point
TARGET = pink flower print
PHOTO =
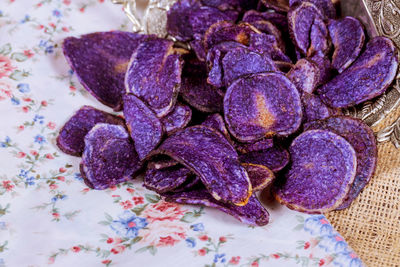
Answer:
(126, 204)
(163, 233)
(202, 252)
(163, 211)
(136, 200)
(51, 125)
(49, 156)
(7, 185)
(234, 260)
(56, 215)
(21, 154)
(254, 264)
(76, 249)
(5, 66)
(118, 249)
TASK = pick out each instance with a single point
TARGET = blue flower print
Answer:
(15, 101)
(318, 225)
(30, 180)
(190, 242)
(218, 257)
(197, 227)
(40, 139)
(78, 176)
(128, 224)
(23, 87)
(57, 13)
(25, 19)
(38, 118)
(6, 142)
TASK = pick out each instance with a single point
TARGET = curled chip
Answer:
(325, 6)
(154, 75)
(278, 5)
(322, 170)
(304, 75)
(177, 119)
(100, 61)
(274, 158)
(315, 109)
(161, 162)
(260, 176)
(301, 19)
(279, 20)
(216, 121)
(214, 61)
(71, 136)
(319, 38)
(262, 105)
(241, 61)
(166, 179)
(188, 17)
(209, 155)
(253, 213)
(256, 146)
(144, 127)
(348, 38)
(196, 91)
(369, 76)
(268, 27)
(361, 137)
(109, 157)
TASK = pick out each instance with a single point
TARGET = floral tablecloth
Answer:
(48, 215)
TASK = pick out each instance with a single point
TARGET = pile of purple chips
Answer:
(255, 103)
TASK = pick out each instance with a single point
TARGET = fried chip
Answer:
(305, 76)
(71, 137)
(260, 176)
(178, 119)
(323, 167)
(109, 157)
(274, 158)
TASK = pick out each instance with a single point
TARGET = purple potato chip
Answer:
(188, 17)
(208, 154)
(301, 19)
(198, 48)
(267, 44)
(222, 4)
(253, 213)
(279, 20)
(241, 61)
(144, 127)
(71, 136)
(278, 5)
(216, 121)
(315, 109)
(260, 176)
(214, 61)
(369, 76)
(325, 6)
(100, 61)
(319, 38)
(326, 71)
(263, 144)
(226, 31)
(348, 39)
(268, 27)
(154, 75)
(362, 138)
(322, 170)
(196, 91)
(262, 105)
(274, 158)
(109, 157)
(166, 179)
(178, 17)
(304, 75)
(177, 119)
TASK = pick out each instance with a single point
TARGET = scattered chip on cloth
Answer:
(253, 213)
(109, 157)
(71, 138)
(100, 61)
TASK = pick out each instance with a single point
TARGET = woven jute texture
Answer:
(371, 225)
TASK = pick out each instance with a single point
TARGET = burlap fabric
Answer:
(372, 224)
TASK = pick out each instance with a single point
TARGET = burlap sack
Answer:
(372, 224)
